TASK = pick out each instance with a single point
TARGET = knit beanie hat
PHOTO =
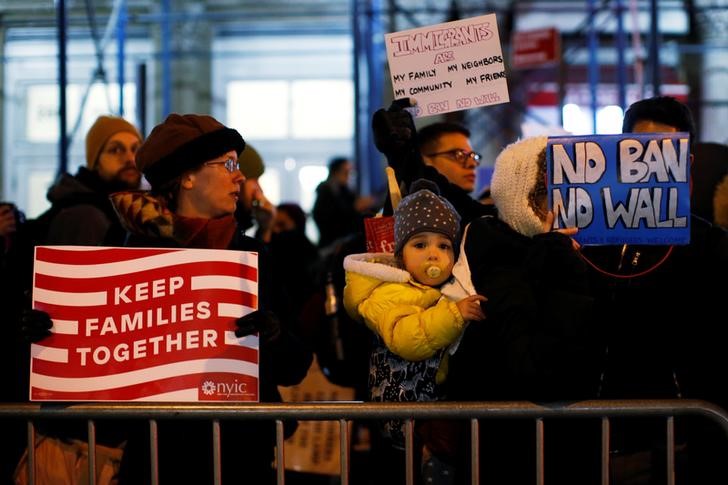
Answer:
(104, 128)
(183, 142)
(514, 177)
(250, 162)
(424, 210)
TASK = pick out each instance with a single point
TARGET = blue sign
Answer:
(621, 189)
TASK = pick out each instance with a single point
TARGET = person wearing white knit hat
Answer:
(518, 186)
(538, 306)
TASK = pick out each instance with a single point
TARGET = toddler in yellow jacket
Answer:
(398, 298)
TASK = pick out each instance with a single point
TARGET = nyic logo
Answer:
(216, 389)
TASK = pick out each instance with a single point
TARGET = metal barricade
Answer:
(345, 412)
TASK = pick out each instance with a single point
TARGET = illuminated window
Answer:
(41, 120)
(274, 110)
(308, 179)
(270, 182)
(259, 109)
(310, 120)
(38, 183)
(577, 120)
(609, 120)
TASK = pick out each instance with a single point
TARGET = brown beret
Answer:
(183, 142)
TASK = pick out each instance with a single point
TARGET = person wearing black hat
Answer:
(191, 162)
(654, 347)
(398, 298)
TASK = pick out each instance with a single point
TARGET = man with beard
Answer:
(81, 212)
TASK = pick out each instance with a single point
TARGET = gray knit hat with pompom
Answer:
(424, 210)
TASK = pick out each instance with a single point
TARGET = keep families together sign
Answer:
(631, 188)
(146, 324)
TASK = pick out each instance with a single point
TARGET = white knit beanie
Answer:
(514, 176)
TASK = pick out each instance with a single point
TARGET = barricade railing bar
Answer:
(344, 412)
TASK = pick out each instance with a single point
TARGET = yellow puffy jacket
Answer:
(413, 320)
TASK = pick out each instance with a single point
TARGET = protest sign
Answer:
(450, 66)
(621, 189)
(314, 447)
(379, 233)
(147, 324)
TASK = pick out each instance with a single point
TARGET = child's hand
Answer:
(470, 307)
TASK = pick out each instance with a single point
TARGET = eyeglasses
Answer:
(231, 165)
(460, 156)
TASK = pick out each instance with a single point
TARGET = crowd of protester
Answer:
(479, 302)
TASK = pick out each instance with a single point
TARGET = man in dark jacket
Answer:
(80, 214)
(338, 211)
(656, 307)
(440, 152)
(80, 209)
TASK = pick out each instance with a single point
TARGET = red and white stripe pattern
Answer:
(147, 324)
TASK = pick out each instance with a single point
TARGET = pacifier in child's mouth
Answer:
(433, 271)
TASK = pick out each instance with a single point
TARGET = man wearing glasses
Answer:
(446, 147)
(439, 152)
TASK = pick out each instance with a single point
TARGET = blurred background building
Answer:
(301, 79)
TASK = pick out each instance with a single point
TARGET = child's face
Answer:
(428, 257)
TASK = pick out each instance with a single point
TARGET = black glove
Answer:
(394, 131)
(263, 322)
(34, 325)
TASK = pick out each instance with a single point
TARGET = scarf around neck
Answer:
(193, 232)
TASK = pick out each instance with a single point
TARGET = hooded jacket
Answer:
(82, 213)
(413, 323)
(413, 320)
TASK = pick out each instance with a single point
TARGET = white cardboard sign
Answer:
(450, 66)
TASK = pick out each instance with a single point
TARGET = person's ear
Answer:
(187, 181)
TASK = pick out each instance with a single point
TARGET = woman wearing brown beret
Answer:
(191, 163)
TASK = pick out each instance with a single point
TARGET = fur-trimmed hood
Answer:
(382, 266)
(368, 271)
(413, 320)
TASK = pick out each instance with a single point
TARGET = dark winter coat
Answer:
(247, 446)
(334, 212)
(534, 344)
(659, 317)
(82, 212)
